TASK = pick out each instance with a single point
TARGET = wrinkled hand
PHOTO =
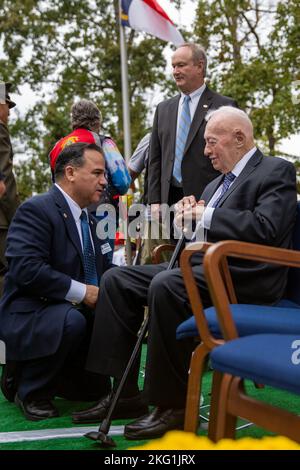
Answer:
(155, 211)
(91, 296)
(187, 211)
(185, 203)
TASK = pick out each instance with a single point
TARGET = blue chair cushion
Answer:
(249, 320)
(287, 303)
(265, 359)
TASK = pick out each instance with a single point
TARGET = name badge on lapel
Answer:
(105, 248)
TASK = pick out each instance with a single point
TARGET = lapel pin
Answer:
(65, 215)
(205, 106)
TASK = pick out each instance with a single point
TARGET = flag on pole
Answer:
(148, 16)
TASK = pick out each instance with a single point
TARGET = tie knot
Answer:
(229, 177)
(186, 98)
(83, 216)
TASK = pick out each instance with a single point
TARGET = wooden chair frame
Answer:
(208, 342)
(158, 250)
(229, 399)
(214, 262)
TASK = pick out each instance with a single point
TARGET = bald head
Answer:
(229, 136)
(229, 118)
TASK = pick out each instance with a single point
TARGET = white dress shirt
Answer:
(193, 103)
(77, 290)
(207, 216)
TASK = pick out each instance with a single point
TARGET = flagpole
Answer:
(125, 93)
(126, 115)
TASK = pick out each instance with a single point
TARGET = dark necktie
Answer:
(228, 179)
(183, 130)
(89, 260)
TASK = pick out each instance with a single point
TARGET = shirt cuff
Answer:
(76, 293)
(207, 217)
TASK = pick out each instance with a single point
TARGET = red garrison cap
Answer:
(79, 135)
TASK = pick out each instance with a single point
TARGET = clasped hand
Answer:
(91, 296)
(187, 211)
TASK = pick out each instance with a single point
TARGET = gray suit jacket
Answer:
(197, 171)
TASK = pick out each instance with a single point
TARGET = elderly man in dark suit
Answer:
(177, 165)
(55, 263)
(9, 200)
(255, 201)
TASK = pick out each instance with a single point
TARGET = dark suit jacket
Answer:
(197, 171)
(44, 254)
(259, 207)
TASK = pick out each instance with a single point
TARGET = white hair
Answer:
(229, 111)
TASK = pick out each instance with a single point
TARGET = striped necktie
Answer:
(89, 259)
(228, 179)
(182, 133)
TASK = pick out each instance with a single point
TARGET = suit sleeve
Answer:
(9, 201)
(29, 252)
(272, 217)
(154, 164)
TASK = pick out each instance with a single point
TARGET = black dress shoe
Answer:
(36, 410)
(131, 407)
(155, 424)
(9, 380)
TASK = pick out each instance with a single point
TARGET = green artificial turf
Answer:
(13, 420)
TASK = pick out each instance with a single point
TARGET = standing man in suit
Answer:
(253, 200)
(177, 165)
(55, 263)
(9, 200)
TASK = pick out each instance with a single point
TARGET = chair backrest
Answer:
(293, 285)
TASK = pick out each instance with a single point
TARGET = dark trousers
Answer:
(119, 313)
(63, 373)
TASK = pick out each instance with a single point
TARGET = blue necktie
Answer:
(182, 133)
(228, 179)
(89, 260)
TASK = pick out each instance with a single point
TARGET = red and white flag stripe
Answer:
(149, 16)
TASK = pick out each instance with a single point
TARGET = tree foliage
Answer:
(253, 47)
(69, 49)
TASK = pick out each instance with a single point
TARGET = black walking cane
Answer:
(102, 434)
